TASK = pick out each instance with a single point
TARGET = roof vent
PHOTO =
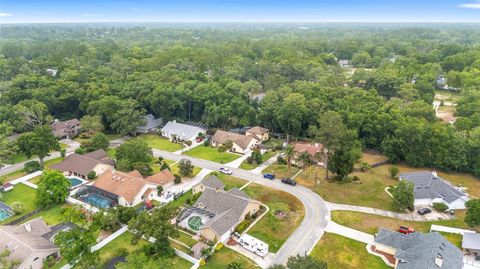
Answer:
(439, 260)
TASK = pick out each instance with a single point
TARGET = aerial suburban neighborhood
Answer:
(239, 134)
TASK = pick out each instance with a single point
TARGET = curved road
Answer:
(310, 230)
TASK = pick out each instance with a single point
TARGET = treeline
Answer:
(213, 75)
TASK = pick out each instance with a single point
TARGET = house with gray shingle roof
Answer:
(218, 211)
(418, 250)
(183, 131)
(240, 143)
(429, 188)
(151, 124)
(471, 243)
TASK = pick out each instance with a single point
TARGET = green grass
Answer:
(230, 181)
(247, 166)
(281, 171)
(157, 142)
(21, 157)
(340, 252)
(111, 153)
(112, 249)
(51, 162)
(220, 260)
(181, 200)
(51, 216)
(211, 154)
(271, 229)
(20, 193)
(175, 170)
(186, 239)
(180, 247)
(13, 175)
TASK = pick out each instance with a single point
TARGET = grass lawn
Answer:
(211, 154)
(112, 249)
(13, 175)
(230, 181)
(17, 158)
(247, 166)
(20, 193)
(181, 200)
(175, 170)
(51, 216)
(51, 162)
(370, 223)
(111, 153)
(272, 229)
(372, 157)
(281, 171)
(340, 252)
(157, 142)
(180, 247)
(186, 239)
(220, 260)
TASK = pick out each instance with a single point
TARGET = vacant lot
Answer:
(247, 166)
(23, 194)
(286, 213)
(220, 260)
(211, 154)
(370, 223)
(340, 252)
(281, 171)
(157, 142)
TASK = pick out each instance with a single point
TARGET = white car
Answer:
(226, 171)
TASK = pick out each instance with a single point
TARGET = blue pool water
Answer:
(4, 215)
(75, 181)
(98, 200)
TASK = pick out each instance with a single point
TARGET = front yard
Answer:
(286, 213)
(220, 260)
(340, 252)
(157, 142)
(230, 181)
(248, 166)
(211, 154)
(281, 171)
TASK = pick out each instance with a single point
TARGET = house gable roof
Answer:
(242, 141)
(471, 240)
(258, 130)
(429, 186)
(183, 131)
(311, 149)
(82, 164)
(419, 250)
(213, 182)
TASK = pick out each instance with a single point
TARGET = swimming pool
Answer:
(97, 200)
(75, 181)
(4, 215)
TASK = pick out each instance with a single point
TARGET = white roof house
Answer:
(183, 131)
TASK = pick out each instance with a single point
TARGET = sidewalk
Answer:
(237, 162)
(267, 163)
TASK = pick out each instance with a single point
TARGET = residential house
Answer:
(471, 244)
(241, 143)
(183, 131)
(27, 244)
(217, 212)
(6, 187)
(314, 150)
(131, 188)
(345, 63)
(418, 250)
(79, 165)
(261, 133)
(151, 124)
(66, 129)
(429, 188)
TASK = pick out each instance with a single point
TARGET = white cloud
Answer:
(5, 14)
(474, 5)
(92, 15)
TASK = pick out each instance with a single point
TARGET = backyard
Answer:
(20, 193)
(247, 166)
(157, 142)
(286, 213)
(211, 154)
(340, 252)
(220, 260)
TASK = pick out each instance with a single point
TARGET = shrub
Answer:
(91, 175)
(178, 179)
(63, 152)
(393, 171)
(440, 207)
(206, 142)
(242, 226)
(188, 142)
(80, 151)
(234, 265)
(218, 247)
(32, 166)
(278, 147)
(164, 166)
(160, 159)
(365, 166)
(17, 207)
(159, 189)
(143, 168)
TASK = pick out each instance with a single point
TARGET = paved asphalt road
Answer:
(316, 217)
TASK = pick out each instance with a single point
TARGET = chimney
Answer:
(439, 261)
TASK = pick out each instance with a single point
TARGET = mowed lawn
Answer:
(274, 229)
(211, 154)
(340, 252)
(370, 223)
(20, 193)
(281, 171)
(220, 260)
(157, 142)
(247, 166)
(230, 181)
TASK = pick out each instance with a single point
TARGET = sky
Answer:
(70, 11)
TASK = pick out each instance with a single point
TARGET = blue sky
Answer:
(39, 11)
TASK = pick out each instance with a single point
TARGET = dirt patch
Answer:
(281, 214)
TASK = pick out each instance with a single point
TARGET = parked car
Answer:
(424, 211)
(406, 230)
(269, 176)
(289, 181)
(199, 139)
(226, 171)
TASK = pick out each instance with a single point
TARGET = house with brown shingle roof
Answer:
(66, 129)
(314, 150)
(241, 143)
(260, 132)
(27, 243)
(79, 165)
(131, 188)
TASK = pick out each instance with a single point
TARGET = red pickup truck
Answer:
(406, 230)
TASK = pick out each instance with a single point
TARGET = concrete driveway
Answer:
(310, 230)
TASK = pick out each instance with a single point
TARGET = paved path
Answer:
(263, 262)
(317, 216)
(335, 228)
(386, 213)
(267, 163)
(237, 162)
(440, 228)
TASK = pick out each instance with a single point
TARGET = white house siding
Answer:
(226, 235)
(458, 204)
(29, 263)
